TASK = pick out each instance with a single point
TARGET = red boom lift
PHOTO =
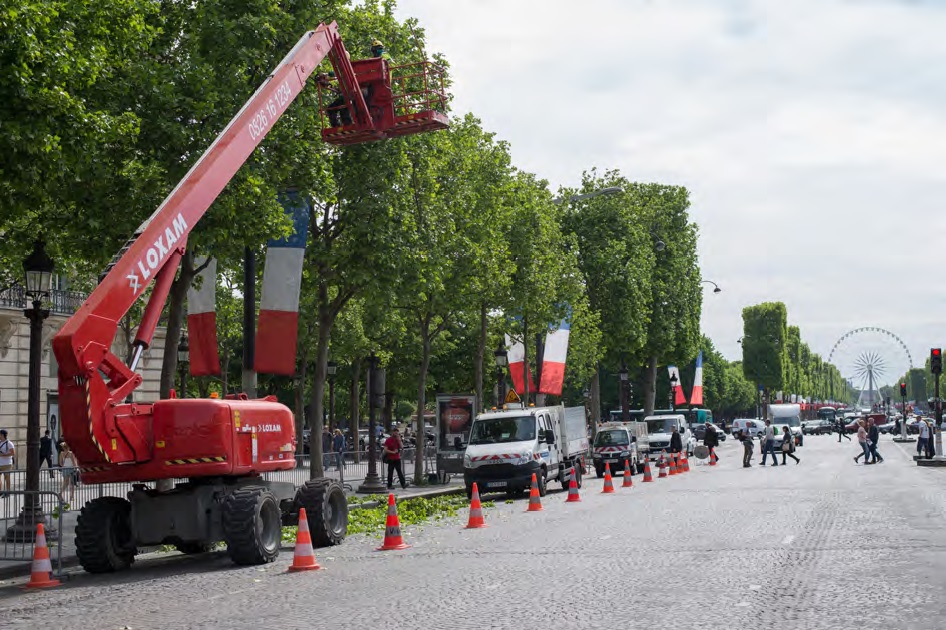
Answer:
(221, 447)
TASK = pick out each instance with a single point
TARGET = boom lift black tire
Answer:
(326, 510)
(103, 535)
(252, 526)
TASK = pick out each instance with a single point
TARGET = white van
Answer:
(750, 425)
(659, 429)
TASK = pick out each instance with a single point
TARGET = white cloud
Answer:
(810, 133)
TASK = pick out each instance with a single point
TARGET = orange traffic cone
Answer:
(713, 458)
(685, 462)
(628, 480)
(392, 529)
(648, 477)
(573, 491)
(304, 557)
(608, 481)
(476, 511)
(673, 463)
(535, 501)
(41, 576)
(662, 467)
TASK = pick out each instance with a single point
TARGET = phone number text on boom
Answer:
(268, 113)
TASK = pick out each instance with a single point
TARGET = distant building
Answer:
(14, 362)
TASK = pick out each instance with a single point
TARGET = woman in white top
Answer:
(862, 440)
(924, 429)
(67, 461)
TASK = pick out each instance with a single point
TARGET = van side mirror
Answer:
(549, 437)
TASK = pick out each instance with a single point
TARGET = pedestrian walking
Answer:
(676, 442)
(769, 444)
(7, 454)
(70, 476)
(873, 436)
(842, 432)
(746, 439)
(924, 441)
(862, 441)
(711, 440)
(338, 447)
(788, 446)
(46, 453)
(392, 456)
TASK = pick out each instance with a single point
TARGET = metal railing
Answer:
(62, 302)
(76, 495)
(19, 548)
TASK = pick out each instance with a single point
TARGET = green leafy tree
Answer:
(765, 331)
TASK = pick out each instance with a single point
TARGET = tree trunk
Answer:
(539, 358)
(526, 372)
(478, 368)
(175, 322)
(650, 386)
(595, 399)
(300, 407)
(355, 406)
(318, 386)
(421, 403)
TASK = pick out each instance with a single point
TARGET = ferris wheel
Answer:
(869, 358)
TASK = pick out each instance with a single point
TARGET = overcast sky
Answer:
(811, 135)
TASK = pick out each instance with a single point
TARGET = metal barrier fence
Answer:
(75, 495)
(19, 548)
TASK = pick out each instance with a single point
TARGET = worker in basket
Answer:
(338, 112)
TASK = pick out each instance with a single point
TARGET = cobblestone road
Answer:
(822, 545)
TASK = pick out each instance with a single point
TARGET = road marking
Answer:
(788, 540)
(755, 587)
(743, 604)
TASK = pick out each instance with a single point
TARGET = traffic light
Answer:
(936, 360)
(903, 390)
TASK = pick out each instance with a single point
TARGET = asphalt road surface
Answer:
(821, 545)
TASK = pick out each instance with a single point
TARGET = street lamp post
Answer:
(183, 360)
(610, 190)
(673, 389)
(502, 358)
(625, 404)
(372, 483)
(331, 369)
(716, 288)
(39, 271)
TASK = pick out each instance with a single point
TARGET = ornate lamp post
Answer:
(39, 272)
(502, 358)
(673, 389)
(372, 483)
(183, 361)
(625, 403)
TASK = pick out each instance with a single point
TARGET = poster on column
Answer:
(455, 413)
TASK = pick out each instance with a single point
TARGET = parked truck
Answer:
(617, 442)
(506, 447)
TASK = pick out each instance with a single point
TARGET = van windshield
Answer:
(661, 425)
(498, 430)
(792, 421)
(613, 437)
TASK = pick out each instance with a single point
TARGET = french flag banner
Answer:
(517, 366)
(278, 327)
(696, 396)
(202, 321)
(553, 361)
(678, 396)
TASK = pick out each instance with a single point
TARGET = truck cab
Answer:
(616, 443)
(507, 447)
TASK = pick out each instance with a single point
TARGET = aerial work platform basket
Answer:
(401, 100)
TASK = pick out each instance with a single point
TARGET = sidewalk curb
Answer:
(22, 569)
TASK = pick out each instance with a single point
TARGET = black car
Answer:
(699, 432)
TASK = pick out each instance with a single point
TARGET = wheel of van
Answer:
(542, 483)
(599, 472)
(579, 472)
